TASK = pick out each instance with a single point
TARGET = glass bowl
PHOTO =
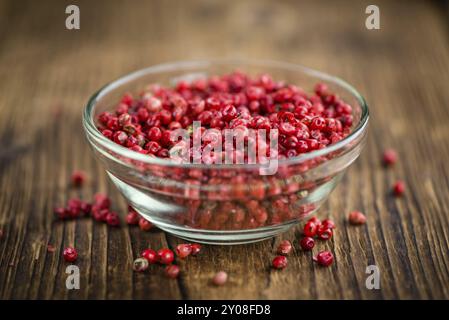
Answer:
(227, 203)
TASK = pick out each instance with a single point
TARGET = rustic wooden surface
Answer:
(47, 74)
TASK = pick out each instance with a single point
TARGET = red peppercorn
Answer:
(86, 207)
(389, 157)
(98, 214)
(120, 137)
(165, 256)
(324, 233)
(140, 265)
(132, 218)
(196, 248)
(78, 178)
(153, 147)
(220, 278)
(150, 255)
(172, 271)
(279, 262)
(328, 223)
(324, 258)
(356, 218)
(154, 134)
(310, 229)
(145, 225)
(70, 254)
(183, 250)
(307, 243)
(399, 188)
(285, 247)
(60, 213)
(102, 201)
(315, 220)
(73, 209)
(112, 219)
(229, 112)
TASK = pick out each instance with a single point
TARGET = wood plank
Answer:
(47, 74)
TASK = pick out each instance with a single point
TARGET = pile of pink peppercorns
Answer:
(166, 257)
(99, 209)
(313, 228)
(144, 123)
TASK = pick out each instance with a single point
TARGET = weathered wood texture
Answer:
(47, 74)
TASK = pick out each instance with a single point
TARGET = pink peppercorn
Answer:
(196, 248)
(389, 157)
(60, 213)
(324, 258)
(279, 262)
(183, 250)
(112, 219)
(86, 207)
(132, 218)
(150, 255)
(220, 278)
(324, 233)
(399, 188)
(328, 223)
(140, 265)
(172, 271)
(310, 229)
(285, 247)
(307, 243)
(145, 225)
(165, 256)
(356, 218)
(78, 178)
(102, 201)
(70, 254)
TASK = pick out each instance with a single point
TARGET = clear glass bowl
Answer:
(225, 204)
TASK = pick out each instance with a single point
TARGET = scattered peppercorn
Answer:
(310, 229)
(145, 225)
(324, 258)
(70, 254)
(220, 278)
(196, 248)
(356, 218)
(78, 178)
(172, 271)
(140, 265)
(112, 219)
(324, 233)
(399, 188)
(328, 224)
(389, 157)
(165, 256)
(183, 250)
(284, 248)
(150, 255)
(307, 243)
(279, 262)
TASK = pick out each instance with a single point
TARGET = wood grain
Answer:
(47, 74)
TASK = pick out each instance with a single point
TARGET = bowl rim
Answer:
(93, 132)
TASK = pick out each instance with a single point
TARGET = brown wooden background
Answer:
(47, 73)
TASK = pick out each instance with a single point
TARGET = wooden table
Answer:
(47, 73)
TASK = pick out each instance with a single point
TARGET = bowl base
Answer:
(225, 238)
